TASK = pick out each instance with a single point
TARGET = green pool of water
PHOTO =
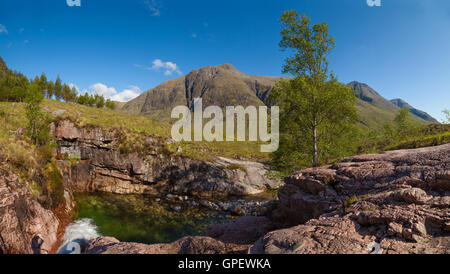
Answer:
(137, 218)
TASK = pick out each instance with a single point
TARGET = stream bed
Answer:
(145, 219)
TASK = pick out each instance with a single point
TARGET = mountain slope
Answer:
(368, 94)
(421, 114)
(224, 85)
(221, 85)
(374, 110)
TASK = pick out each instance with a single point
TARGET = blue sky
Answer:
(121, 48)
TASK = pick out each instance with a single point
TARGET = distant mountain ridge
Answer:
(375, 110)
(419, 113)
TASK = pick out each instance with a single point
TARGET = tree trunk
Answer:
(314, 146)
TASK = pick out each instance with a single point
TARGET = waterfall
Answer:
(77, 236)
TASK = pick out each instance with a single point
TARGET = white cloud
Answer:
(127, 94)
(194, 35)
(153, 7)
(167, 67)
(103, 90)
(72, 85)
(111, 93)
(3, 29)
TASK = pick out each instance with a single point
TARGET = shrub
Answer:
(55, 183)
(46, 153)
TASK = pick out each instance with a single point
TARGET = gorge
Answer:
(398, 199)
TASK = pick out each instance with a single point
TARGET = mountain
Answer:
(221, 85)
(224, 85)
(419, 113)
(375, 110)
(368, 94)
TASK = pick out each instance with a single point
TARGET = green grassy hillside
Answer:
(12, 132)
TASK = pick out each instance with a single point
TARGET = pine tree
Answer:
(44, 85)
(58, 89)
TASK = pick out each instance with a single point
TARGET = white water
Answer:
(77, 235)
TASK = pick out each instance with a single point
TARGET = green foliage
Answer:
(92, 100)
(414, 137)
(46, 153)
(13, 87)
(69, 94)
(318, 113)
(446, 120)
(19, 153)
(416, 142)
(54, 180)
(100, 101)
(275, 174)
(110, 104)
(314, 121)
(38, 122)
(401, 122)
(310, 45)
(35, 189)
(58, 89)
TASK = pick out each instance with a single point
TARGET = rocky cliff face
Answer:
(25, 226)
(102, 167)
